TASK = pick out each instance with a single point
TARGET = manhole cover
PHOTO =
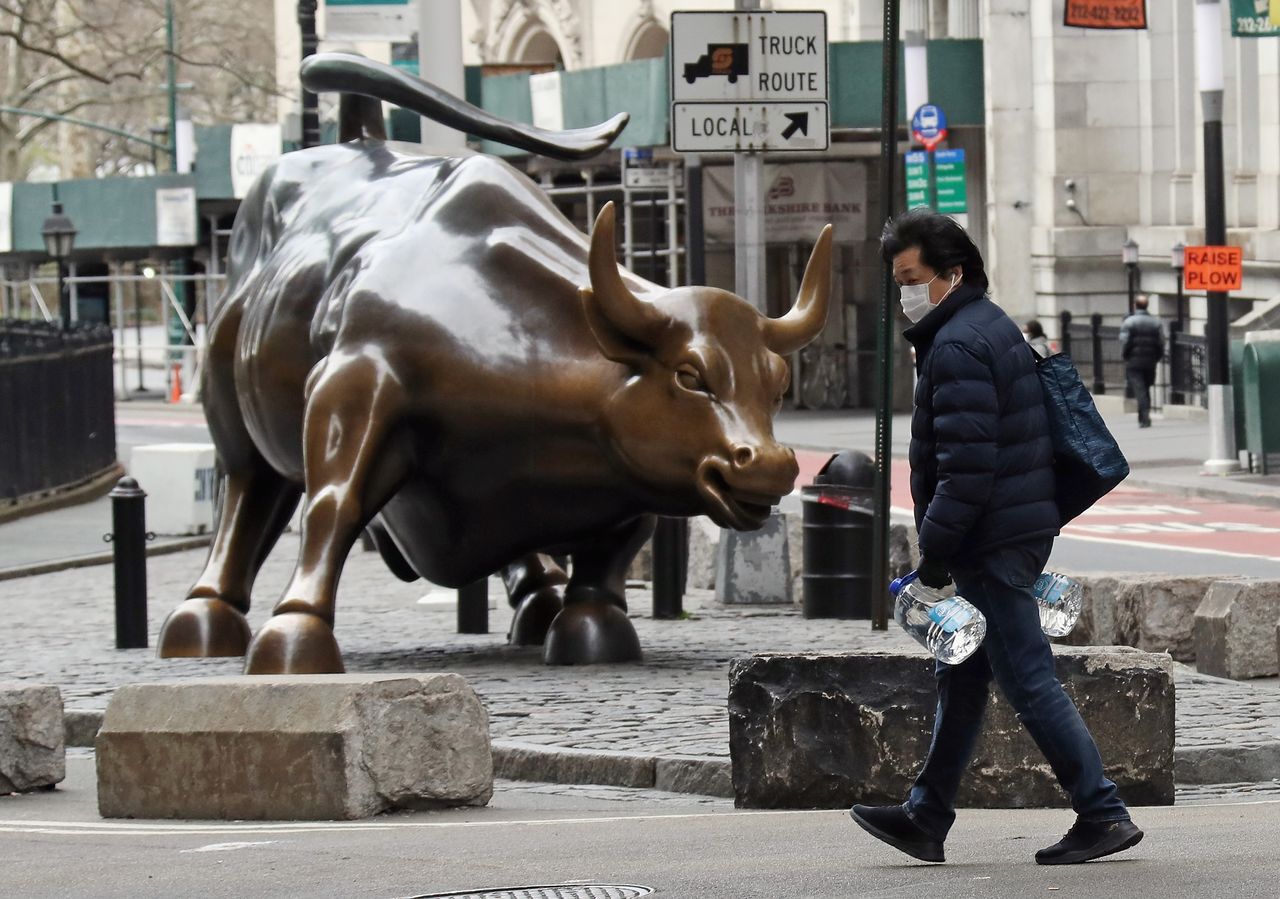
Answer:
(562, 891)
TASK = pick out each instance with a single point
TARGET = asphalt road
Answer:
(54, 845)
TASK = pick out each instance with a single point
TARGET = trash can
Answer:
(1261, 388)
(836, 579)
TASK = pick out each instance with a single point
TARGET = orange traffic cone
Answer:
(175, 385)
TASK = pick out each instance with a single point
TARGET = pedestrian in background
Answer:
(983, 485)
(1142, 347)
(1033, 333)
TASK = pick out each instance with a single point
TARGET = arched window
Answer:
(649, 41)
(537, 45)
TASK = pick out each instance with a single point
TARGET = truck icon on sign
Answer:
(720, 59)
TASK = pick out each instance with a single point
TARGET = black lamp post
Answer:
(59, 239)
(1129, 253)
(1178, 259)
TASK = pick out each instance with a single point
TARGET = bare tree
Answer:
(105, 61)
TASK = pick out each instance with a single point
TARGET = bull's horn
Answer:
(635, 318)
(808, 316)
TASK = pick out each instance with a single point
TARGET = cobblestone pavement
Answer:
(59, 630)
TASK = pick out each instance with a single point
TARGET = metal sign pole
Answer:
(884, 335)
(748, 238)
(749, 245)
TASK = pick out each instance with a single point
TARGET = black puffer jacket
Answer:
(981, 456)
(1141, 340)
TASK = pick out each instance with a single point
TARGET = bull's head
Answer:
(694, 421)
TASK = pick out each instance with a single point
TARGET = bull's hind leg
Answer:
(257, 503)
(535, 586)
(352, 469)
(211, 621)
(593, 628)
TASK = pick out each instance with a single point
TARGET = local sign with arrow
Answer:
(749, 81)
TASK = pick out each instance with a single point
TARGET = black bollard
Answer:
(670, 566)
(473, 607)
(129, 540)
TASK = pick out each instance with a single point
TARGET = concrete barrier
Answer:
(33, 751)
(1234, 629)
(1152, 612)
(293, 748)
(829, 730)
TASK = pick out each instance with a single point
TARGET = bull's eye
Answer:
(691, 380)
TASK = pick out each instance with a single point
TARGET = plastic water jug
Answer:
(1060, 600)
(946, 625)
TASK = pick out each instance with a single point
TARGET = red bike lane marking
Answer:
(1134, 517)
(1156, 520)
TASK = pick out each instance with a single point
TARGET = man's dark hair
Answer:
(1034, 328)
(943, 244)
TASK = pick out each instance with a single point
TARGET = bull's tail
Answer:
(362, 82)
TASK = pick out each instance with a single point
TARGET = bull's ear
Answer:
(613, 343)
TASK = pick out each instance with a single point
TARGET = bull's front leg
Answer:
(352, 468)
(593, 627)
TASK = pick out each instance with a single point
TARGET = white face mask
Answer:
(915, 298)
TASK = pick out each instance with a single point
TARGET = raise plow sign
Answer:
(1216, 269)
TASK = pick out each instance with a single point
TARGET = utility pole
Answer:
(884, 334)
(1222, 433)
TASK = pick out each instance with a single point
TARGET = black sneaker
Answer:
(890, 824)
(1087, 840)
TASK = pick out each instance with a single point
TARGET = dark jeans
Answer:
(1140, 381)
(1017, 653)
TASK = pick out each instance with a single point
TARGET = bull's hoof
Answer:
(533, 617)
(203, 628)
(294, 643)
(591, 633)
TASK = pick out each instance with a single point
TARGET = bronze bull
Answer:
(411, 340)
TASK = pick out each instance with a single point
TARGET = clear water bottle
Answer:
(1060, 600)
(948, 626)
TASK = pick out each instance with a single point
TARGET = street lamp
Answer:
(59, 235)
(1129, 253)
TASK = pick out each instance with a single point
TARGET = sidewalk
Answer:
(662, 722)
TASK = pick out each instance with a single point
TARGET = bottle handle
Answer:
(895, 587)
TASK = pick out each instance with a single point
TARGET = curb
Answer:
(1260, 498)
(162, 549)
(710, 776)
(88, 488)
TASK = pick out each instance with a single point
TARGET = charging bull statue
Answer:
(430, 350)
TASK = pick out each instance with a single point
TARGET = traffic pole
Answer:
(884, 334)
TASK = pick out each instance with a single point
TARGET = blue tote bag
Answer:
(1087, 461)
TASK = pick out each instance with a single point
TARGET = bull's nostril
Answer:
(743, 456)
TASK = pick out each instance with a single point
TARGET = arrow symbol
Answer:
(799, 122)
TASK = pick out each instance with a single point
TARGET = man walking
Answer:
(983, 486)
(1142, 346)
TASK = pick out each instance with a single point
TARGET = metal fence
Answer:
(57, 413)
(1095, 349)
(155, 330)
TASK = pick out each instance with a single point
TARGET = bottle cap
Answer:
(895, 587)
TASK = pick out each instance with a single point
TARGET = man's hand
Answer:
(932, 574)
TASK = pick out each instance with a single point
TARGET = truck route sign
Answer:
(749, 81)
